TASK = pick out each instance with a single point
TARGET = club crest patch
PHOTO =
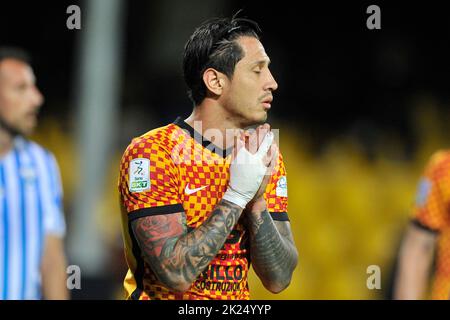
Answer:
(281, 190)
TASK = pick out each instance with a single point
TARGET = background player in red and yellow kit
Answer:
(428, 233)
(194, 213)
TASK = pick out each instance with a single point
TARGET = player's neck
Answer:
(6, 142)
(211, 122)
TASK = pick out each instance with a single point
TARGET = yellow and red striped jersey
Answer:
(432, 212)
(173, 169)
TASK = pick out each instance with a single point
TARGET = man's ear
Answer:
(214, 80)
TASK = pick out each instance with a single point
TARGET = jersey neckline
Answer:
(201, 140)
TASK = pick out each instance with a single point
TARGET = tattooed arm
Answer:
(272, 248)
(176, 256)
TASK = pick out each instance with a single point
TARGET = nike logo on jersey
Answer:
(189, 191)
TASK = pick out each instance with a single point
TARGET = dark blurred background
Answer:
(359, 113)
(333, 72)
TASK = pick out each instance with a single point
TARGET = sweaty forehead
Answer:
(253, 50)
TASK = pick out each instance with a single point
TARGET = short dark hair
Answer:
(213, 45)
(16, 53)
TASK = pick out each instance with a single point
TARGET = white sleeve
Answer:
(54, 222)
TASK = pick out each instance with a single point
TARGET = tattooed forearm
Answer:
(176, 256)
(272, 249)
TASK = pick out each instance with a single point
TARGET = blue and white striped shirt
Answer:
(30, 209)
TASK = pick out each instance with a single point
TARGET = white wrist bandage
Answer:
(247, 171)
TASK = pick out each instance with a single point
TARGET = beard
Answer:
(248, 118)
(253, 120)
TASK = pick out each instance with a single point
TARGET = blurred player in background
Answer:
(429, 232)
(194, 212)
(32, 260)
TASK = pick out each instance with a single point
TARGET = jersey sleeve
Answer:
(276, 194)
(148, 182)
(54, 222)
(431, 205)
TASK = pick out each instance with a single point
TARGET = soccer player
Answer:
(32, 261)
(428, 232)
(201, 198)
